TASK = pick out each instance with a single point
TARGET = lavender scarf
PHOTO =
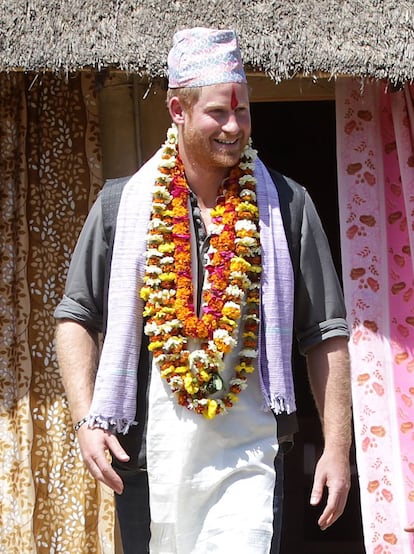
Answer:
(114, 401)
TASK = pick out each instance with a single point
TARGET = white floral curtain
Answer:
(375, 137)
(50, 174)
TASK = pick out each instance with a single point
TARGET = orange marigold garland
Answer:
(230, 293)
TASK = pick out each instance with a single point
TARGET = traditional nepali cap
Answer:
(201, 57)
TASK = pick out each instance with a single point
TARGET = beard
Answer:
(204, 150)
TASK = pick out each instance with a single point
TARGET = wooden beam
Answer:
(263, 89)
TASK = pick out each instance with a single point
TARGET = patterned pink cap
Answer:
(201, 57)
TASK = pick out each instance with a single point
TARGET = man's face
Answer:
(217, 128)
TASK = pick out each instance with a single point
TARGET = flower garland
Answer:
(231, 286)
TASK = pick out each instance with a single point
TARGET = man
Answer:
(204, 254)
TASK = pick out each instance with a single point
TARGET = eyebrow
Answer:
(219, 105)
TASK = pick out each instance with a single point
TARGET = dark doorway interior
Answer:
(299, 140)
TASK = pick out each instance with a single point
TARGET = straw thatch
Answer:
(280, 37)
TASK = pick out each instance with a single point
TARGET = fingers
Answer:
(336, 478)
(95, 444)
(334, 509)
(316, 494)
(115, 448)
(102, 471)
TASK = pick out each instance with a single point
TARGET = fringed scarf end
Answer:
(279, 405)
(112, 424)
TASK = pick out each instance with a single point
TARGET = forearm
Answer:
(77, 353)
(329, 375)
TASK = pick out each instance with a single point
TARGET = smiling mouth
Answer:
(227, 142)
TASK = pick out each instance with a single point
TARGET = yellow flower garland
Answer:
(231, 287)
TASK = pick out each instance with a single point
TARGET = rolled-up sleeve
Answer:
(85, 284)
(319, 305)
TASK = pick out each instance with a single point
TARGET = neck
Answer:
(204, 183)
(205, 187)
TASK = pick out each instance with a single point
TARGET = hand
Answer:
(94, 444)
(332, 471)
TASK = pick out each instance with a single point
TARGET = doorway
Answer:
(299, 140)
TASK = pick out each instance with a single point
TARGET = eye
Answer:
(241, 109)
(217, 111)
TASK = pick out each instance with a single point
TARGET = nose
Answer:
(232, 124)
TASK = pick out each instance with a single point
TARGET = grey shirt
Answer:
(319, 311)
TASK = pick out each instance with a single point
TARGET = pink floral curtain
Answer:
(375, 137)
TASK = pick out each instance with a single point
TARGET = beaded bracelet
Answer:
(80, 423)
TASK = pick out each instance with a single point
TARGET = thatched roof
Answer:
(280, 37)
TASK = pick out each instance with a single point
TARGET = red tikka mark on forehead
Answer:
(234, 101)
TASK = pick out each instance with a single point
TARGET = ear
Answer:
(176, 110)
